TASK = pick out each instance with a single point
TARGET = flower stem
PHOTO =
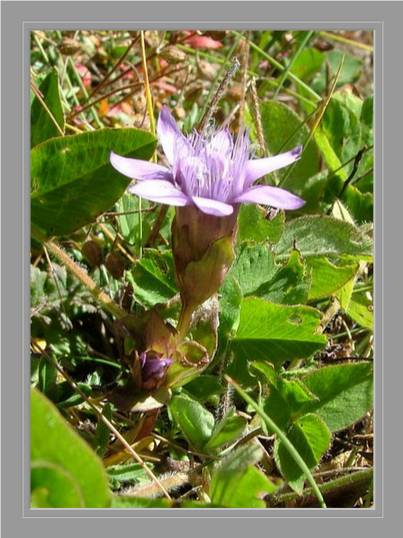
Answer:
(184, 320)
(283, 438)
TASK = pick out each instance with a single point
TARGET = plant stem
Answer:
(103, 298)
(286, 71)
(185, 319)
(283, 438)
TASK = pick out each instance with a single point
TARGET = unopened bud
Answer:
(92, 252)
(115, 264)
(203, 252)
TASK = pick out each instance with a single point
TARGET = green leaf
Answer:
(73, 181)
(289, 285)
(54, 442)
(349, 73)
(360, 309)
(307, 63)
(206, 387)
(152, 279)
(194, 420)
(286, 400)
(62, 489)
(121, 501)
(42, 126)
(236, 483)
(311, 437)
(277, 333)
(127, 474)
(328, 278)
(345, 393)
(284, 130)
(323, 236)
(253, 226)
(253, 267)
(229, 429)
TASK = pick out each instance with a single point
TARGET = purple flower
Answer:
(153, 369)
(213, 173)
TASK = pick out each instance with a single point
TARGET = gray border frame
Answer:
(384, 18)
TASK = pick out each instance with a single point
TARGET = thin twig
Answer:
(86, 280)
(114, 68)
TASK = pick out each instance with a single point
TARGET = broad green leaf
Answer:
(283, 130)
(349, 73)
(42, 126)
(287, 399)
(54, 442)
(360, 309)
(236, 483)
(345, 393)
(253, 267)
(229, 429)
(277, 333)
(289, 285)
(206, 387)
(194, 420)
(72, 181)
(311, 437)
(62, 488)
(152, 279)
(253, 226)
(328, 278)
(323, 236)
(307, 63)
(230, 303)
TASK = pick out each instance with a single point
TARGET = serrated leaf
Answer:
(276, 333)
(193, 419)
(236, 483)
(42, 126)
(54, 442)
(345, 393)
(311, 438)
(253, 267)
(72, 181)
(152, 280)
(323, 236)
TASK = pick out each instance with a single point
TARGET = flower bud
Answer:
(115, 264)
(92, 252)
(153, 370)
(203, 252)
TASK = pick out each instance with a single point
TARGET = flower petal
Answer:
(273, 196)
(168, 134)
(212, 207)
(158, 190)
(138, 169)
(257, 168)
